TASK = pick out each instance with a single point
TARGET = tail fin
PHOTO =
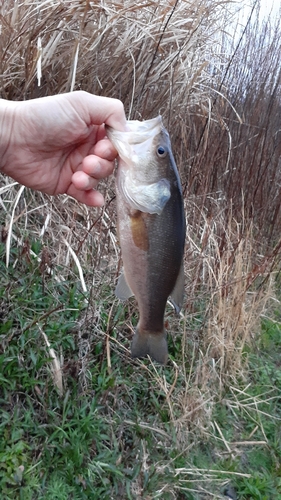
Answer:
(152, 344)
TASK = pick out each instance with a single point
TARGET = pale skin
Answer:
(58, 144)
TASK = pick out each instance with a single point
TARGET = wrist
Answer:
(7, 125)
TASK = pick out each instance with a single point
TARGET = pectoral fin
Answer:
(177, 294)
(139, 230)
(122, 290)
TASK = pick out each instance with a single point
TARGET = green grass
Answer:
(114, 433)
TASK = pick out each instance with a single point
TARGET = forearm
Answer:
(7, 124)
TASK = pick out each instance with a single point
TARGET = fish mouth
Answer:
(138, 132)
(136, 139)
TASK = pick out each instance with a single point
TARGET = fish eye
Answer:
(161, 151)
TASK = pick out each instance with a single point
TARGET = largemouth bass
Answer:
(151, 230)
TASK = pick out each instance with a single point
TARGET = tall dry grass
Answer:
(239, 144)
(221, 104)
(150, 54)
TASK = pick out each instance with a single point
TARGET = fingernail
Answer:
(96, 169)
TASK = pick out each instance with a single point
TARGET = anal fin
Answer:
(122, 290)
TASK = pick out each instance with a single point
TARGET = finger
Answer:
(83, 182)
(98, 110)
(105, 149)
(90, 197)
(97, 167)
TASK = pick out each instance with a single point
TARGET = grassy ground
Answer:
(123, 428)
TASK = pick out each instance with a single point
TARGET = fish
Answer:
(151, 230)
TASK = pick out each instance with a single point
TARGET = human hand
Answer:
(58, 144)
